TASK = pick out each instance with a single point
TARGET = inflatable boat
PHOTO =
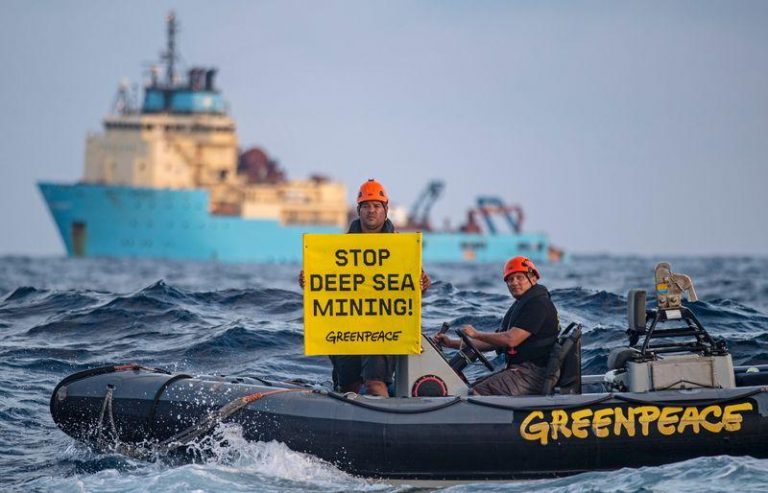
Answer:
(673, 394)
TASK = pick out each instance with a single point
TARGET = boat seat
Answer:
(636, 311)
(564, 366)
(619, 356)
(637, 318)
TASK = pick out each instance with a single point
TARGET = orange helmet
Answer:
(372, 190)
(520, 264)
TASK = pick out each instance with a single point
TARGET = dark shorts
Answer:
(347, 371)
(523, 379)
(381, 368)
(351, 370)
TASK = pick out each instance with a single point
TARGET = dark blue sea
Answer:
(59, 316)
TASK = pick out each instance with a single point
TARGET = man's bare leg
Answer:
(376, 387)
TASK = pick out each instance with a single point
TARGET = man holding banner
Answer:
(380, 294)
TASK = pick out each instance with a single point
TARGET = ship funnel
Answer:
(209, 75)
(196, 79)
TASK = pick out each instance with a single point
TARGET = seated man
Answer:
(527, 334)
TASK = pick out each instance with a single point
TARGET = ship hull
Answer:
(119, 221)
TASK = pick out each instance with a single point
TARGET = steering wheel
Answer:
(468, 341)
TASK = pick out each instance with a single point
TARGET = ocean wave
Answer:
(60, 316)
(234, 337)
(226, 462)
(705, 475)
(28, 302)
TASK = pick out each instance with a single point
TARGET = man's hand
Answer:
(483, 341)
(425, 282)
(470, 331)
(301, 279)
(444, 340)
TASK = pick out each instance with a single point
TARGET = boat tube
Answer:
(482, 437)
(662, 401)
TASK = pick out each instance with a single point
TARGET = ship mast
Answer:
(170, 55)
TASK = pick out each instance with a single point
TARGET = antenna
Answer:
(170, 55)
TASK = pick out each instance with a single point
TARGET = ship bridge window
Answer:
(122, 126)
(473, 245)
(176, 128)
(199, 127)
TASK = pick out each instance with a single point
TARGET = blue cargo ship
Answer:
(165, 180)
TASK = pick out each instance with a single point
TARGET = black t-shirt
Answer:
(535, 313)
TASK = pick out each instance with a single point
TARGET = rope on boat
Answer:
(623, 398)
(507, 407)
(136, 367)
(156, 401)
(214, 418)
(92, 372)
(184, 437)
(388, 409)
(98, 432)
(693, 402)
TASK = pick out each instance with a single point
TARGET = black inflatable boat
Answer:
(672, 395)
(423, 437)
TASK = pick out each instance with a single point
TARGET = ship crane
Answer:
(418, 217)
(490, 206)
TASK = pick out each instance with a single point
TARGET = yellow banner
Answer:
(362, 294)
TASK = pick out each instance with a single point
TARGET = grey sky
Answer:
(620, 127)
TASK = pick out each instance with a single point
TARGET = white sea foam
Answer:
(228, 462)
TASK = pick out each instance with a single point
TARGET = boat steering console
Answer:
(468, 354)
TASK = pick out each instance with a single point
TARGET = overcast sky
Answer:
(620, 127)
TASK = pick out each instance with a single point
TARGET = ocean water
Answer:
(59, 316)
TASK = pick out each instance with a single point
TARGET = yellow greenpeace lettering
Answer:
(362, 294)
(715, 411)
(535, 428)
(645, 416)
(732, 419)
(581, 421)
(668, 420)
(559, 424)
(546, 426)
(690, 418)
(601, 420)
(622, 420)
